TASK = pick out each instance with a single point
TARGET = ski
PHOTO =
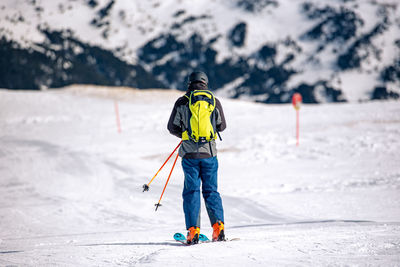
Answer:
(179, 237)
(182, 239)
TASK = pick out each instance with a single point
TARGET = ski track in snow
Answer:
(71, 186)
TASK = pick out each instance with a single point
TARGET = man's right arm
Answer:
(221, 123)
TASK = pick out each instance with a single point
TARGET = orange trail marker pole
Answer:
(117, 116)
(158, 204)
(147, 186)
(297, 126)
(296, 101)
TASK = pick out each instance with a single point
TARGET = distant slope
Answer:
(261, 50)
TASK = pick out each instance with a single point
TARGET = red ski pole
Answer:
(158, 204)
(146, 187)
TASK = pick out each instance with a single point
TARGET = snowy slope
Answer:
(263, 50)
(71, 194)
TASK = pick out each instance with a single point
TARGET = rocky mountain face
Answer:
(261, 50)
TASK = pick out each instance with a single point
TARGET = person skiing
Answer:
(197, 118)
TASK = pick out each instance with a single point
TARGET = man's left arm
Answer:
(172, 128)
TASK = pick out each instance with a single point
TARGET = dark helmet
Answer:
(198, 76)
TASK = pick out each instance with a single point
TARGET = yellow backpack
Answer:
(202, 124)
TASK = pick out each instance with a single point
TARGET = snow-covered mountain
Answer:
(263, 50)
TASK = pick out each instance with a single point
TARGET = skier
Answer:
(197, 118)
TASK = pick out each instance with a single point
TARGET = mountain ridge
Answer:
(329, 51)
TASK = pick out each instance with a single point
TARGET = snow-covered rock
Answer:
(264, 50)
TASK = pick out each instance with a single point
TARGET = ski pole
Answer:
(158, 204)
(146, 187)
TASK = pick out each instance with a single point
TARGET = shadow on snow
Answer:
(304, 222)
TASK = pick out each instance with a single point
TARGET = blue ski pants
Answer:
(204, 172)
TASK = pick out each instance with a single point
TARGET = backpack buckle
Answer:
(202, 139)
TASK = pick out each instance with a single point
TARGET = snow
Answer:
(71, 185)
(358, 81)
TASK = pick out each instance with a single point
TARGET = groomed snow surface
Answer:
(71, 185)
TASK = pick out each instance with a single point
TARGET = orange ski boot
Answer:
(193, 235)
(218, 231)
